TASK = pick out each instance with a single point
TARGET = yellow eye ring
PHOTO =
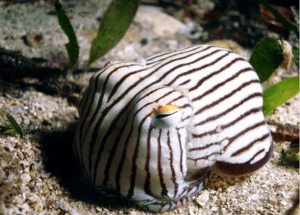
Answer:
(164, 109)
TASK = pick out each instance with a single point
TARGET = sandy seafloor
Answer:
(28, 186)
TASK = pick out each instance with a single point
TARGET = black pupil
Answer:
(160, 116)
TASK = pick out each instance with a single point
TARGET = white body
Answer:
(152, 131)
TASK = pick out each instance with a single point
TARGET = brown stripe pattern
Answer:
(151, 132)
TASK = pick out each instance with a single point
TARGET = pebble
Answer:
(153, 17)
(26, 121)
(45, 174)
(8, 96)
(173, 44)
(26, 178)
(214, 209)
(272, 200)
(223, 199)
(203, 198)
(254, 197)
(32, 111)
(191, 211)
(98, 209)
(16, 110)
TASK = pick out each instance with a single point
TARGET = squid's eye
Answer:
(164, 115)
(167, 116)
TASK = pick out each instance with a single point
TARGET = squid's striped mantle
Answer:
(152, 131)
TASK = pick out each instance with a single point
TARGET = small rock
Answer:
(45, 174)
(203, 198)
(98, 209)
(214, 209)
(50, 114)
(26, 178)
(173, 44)
(223, 199)
(191, 211)
(31, 110)
(16, 110)
(25, 207)
(272, 200)
(161, 23)
(26, 121)
(254, 197)
(33, 40)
